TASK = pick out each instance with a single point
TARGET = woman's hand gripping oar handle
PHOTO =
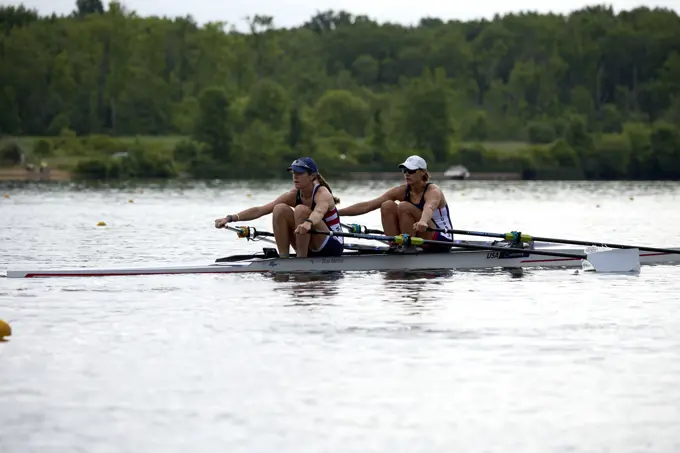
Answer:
(251, 234)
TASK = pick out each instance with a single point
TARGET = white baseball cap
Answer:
(414, 163)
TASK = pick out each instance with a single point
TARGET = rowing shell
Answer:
(356, 261)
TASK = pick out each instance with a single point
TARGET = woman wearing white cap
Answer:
(412, 207)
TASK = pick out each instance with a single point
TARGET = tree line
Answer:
(594, 94)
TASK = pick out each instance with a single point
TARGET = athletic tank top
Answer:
(440, 216)
(331, 218)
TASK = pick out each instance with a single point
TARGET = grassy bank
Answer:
(639, 151)
(66, 158)
(76, 155)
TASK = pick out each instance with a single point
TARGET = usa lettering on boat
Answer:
(506, 255)
(332, 260)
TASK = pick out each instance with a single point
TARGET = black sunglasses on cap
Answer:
(300, 166)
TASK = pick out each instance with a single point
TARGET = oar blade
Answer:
(615, 260)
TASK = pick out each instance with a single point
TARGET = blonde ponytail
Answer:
(325, 184)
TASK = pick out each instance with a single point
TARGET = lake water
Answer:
(552, 361)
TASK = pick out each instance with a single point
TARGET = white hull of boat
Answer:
(461, 260)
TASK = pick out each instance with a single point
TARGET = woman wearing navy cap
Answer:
(310, 204)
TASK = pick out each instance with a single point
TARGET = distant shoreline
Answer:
(439, 176)
(22, 174)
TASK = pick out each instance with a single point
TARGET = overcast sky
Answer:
(289, 13)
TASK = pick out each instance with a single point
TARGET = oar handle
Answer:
(251, 233)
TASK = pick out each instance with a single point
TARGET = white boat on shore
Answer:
(457, 172)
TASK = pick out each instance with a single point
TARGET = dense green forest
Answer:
(594, 94)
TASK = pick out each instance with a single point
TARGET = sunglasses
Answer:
(406, 170)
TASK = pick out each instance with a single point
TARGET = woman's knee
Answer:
(302, 211)
(281, 209)
(405, 208)
(389, 206)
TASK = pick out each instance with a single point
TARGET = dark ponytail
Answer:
(325, 184)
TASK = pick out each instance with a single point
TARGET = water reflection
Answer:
(415, 303)
(409, 275)
(440, 276)
(512, 272)
(418, 291)
(309, 288)
(428, 290)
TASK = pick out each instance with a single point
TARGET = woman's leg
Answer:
(283, 222)
(306, 241)
(389, 212)
(408, 215)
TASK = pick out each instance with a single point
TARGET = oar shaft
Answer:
(602, 244)
(528, 238)
(506, 236)
(251, 233)
(409, 240)
(513, 249)
(373, 237)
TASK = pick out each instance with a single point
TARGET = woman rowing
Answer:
(310, 204)
(422, 205)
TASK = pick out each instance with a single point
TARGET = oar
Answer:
(514, 235)
(621, 260)
(507, 236)
(252, 234)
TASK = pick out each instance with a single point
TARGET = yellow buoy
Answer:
(131, 201)
(6, 195)
(631, 198)
(5, 330)
(250, 195)
(101, 224)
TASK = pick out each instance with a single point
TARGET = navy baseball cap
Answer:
(304, 164)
